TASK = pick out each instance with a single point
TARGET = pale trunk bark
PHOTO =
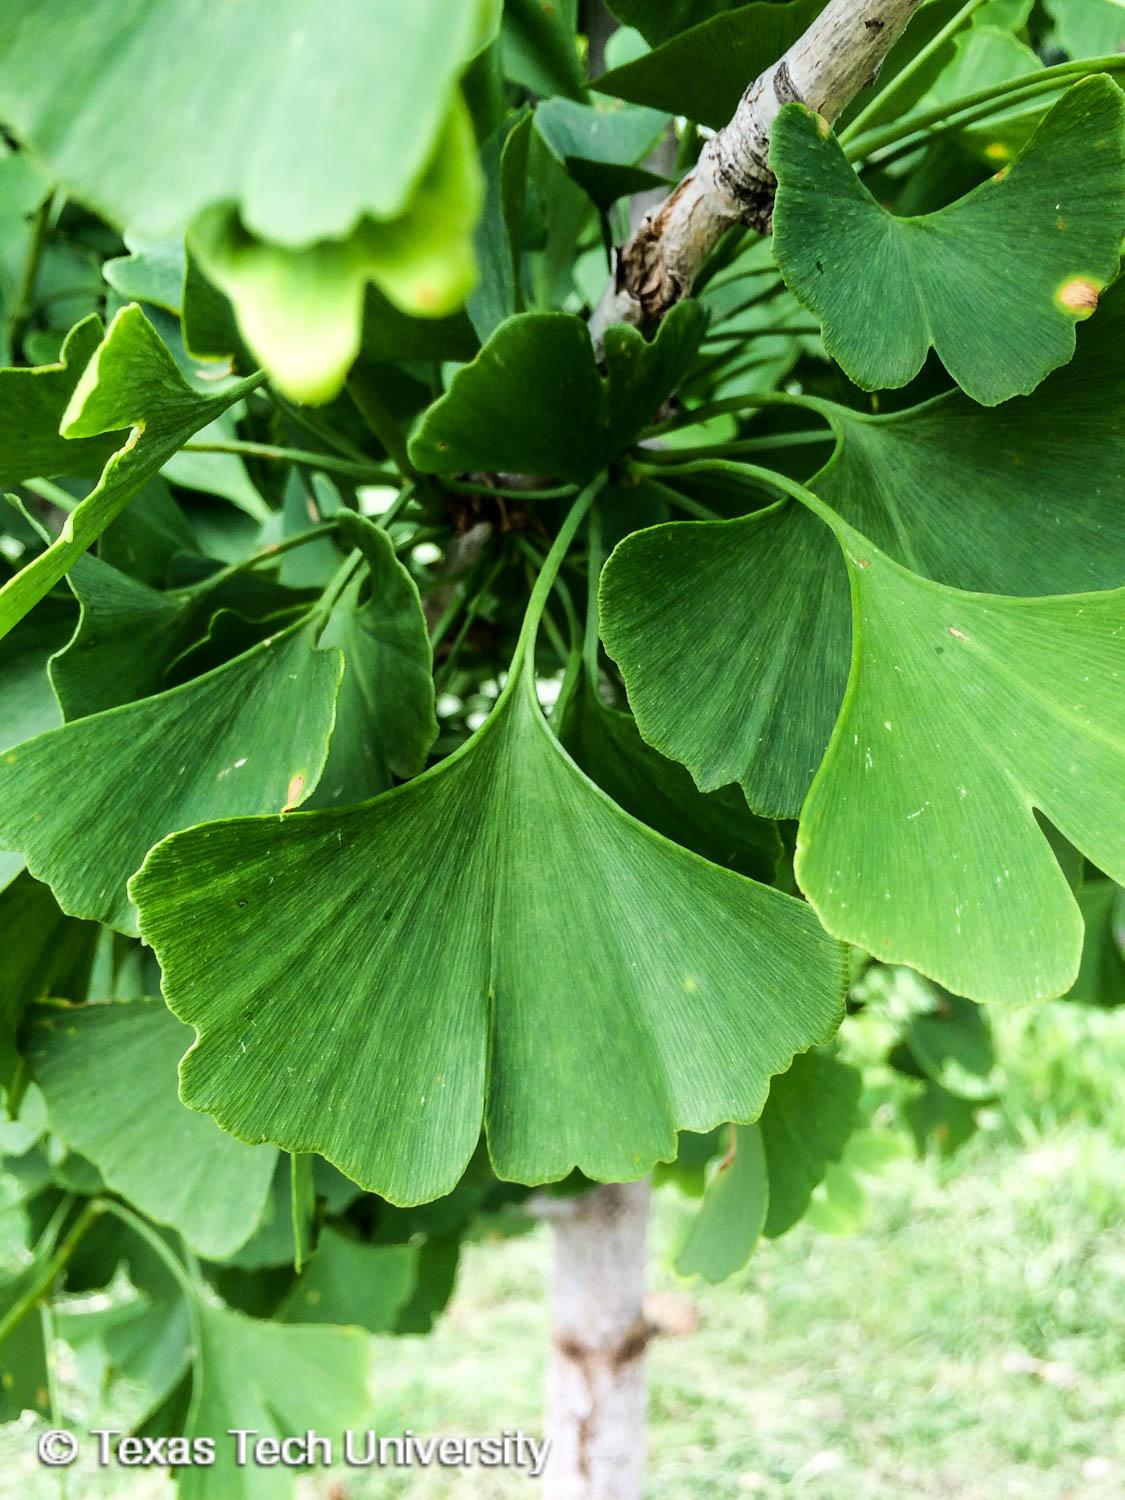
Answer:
(596, 1384)
(732, 183)
(596, 1381)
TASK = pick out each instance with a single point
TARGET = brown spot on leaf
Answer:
(293, 793)
(1078, 295)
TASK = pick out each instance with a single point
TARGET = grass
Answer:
(967, 1342)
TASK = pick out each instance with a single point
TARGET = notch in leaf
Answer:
(495, 942)
(994, 283)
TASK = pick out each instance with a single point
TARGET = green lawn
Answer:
(968, 1342)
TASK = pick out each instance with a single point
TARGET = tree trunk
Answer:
(596, 1382)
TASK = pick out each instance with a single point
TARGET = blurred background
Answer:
(945, 1322)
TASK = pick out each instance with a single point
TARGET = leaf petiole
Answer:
(904, 75)
(346, 467)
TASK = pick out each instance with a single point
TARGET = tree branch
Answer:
(731, 183)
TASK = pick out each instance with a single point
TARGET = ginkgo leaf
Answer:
(719, 826)
(1088, 28)
(1017, 499)
(32, 403)
(1101, 977)
(584, 988)
(745, 694)
(806, 1125)
(250, 736)
(602, 147)
(534, 402)
(385, 716)
(538, 47)
(128, 155)
(131, 381)
(963, 713)
(994, 283)
(730, 1218)
(300, 310)
(702, 71)
(274, 1380)
(127, 633)
(108, 1073)
(354, 1283)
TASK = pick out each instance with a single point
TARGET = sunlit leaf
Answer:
(288, 176)
(685, 986)
(131, 381)
(249, 736)
(300, 308)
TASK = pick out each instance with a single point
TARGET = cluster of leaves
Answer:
(276, 784)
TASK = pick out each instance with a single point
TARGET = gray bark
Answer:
(731, 183)
(596, 1382)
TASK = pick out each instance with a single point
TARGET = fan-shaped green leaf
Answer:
(572, 980)
(274, 1380)
(730, 1219)
(807, 1123)
(534, 402)
(1017, 499)
(963, 713)
(144, 165)
(250, 736)
(994, 283)
(32, 403)
(702, 72)
(131, 381)
(108, 1072)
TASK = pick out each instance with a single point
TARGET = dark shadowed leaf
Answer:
(385, 719)
(534, 402)
(349, 1281)
(108, 1072)
(730, 1219)
(806, 1124)
(702, 72)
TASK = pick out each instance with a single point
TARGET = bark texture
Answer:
(839, 54)
(596, 1382)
